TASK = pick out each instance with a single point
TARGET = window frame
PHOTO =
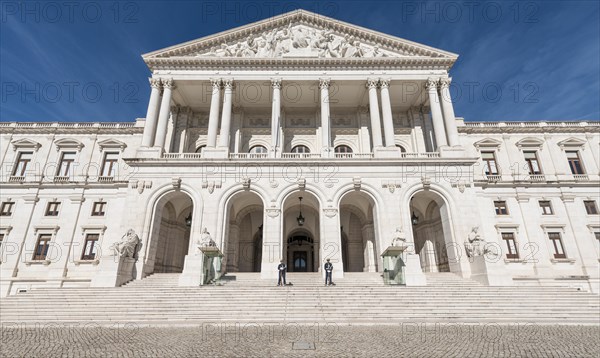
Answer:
(97, 213)
(498, 209)
(47, 238)
(11, 206)
(52, 208)
(252, 149)
(294, 149)
(113, 164)
(85, 256)
(555, 236)
(19, 163)
(487, 168)
(575, 164)
(549, 206)
(530, 161)
(509, 253)
(590, 204)
(69, 164)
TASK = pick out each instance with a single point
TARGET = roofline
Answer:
(299, 13)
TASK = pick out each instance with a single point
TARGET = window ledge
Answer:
(567, 260)
(86, 262)
(38, 262)
(510, 261)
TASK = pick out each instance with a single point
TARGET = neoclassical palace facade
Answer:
(300, 138)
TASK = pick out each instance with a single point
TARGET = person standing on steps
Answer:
(282, 268)
(328, 271)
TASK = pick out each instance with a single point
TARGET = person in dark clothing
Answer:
(282, 268)
(328, 271)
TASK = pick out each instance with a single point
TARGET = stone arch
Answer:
(294, 252)
(360, 246)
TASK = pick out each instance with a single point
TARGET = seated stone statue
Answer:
(399, 238)
(127, 246)
(474, 244)
(206, 239)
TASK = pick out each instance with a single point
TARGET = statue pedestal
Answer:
(413, 273)
(488, 272)
(215, 153)
(202, 268)
(114, 271)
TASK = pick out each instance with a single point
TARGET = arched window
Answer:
(401, 148)
(200, 149)
(343, 151)
(300, 149)
(258, 149)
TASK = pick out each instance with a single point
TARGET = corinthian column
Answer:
(436, 112)
(448, 111)
(152, 114)
(275, 114)
(325, 114)
(213, 117)
(374, 112)
(386, 108)
(226, 117)
(163, 117)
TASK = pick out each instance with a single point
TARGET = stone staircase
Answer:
(359, 299)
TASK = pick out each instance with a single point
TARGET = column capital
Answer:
(155, 82)
(168, 83)
(445, 82)
(324, 83)
(432, 83)
(276, 83)
(384, 83)
(228, 83)
(215, 82)
(372, 82)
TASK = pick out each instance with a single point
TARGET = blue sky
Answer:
(519, 60)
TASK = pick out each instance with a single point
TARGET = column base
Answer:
(386, 152)
(215, 153)
(452, 152)
(413, 274)
(114, 271)
(488, 273)
(149, 152)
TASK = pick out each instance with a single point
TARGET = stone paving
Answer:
(306, 340)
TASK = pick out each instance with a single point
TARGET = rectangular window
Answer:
(590, 207)
(7, 208)
(23, 162)
(533, 164)
(65, 168)
(559, 250)
(489, 163)
(511, 245)
(42, 246)
(575, 162)
(500, 207)
(109, 165)
(546, 207)
(52, 208)
(597, 236)
(98, 208)
(1, 239)
(90, 247)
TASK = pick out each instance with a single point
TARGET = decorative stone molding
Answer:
(211, 185)
(246, 183)
(391, 185)
(168, 83)
(372, 83)
(64, 143)
(215, 83)
(273, 184)
(324, 83)
(228, 83)
(384, 83)
(111, 143)
(523, 198)
(176, 183)
(488, 143)
(461, 185)
(272, 212)
(140, 185)
(530, 142)
(432, 83)
(445, 82)
(49, 228)
(572, 142)
(568, 198)
(426, 181)
(26, 143)
(330, 212)
(276, 83)
(357, 181)
(155, 82)
(301, 183)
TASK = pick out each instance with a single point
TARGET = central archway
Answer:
(301, 249)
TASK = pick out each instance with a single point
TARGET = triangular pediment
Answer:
(25, 143)
(68, 143)
(572, 142)
(487, 143)
(530, 142)
(300, 35)
(111, 143)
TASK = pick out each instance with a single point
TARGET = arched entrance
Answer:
(359, 248)
(244, 233)
(432, 232)
(170, 235)
(301, 249)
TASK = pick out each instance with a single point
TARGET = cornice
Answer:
(529, 127)
(70, 128)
